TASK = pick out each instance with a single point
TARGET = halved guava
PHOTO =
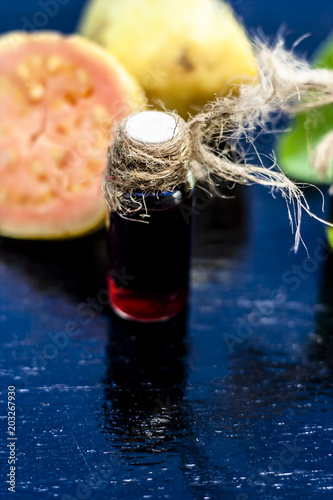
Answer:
(59, 97)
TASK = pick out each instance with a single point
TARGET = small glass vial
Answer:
(149, 249)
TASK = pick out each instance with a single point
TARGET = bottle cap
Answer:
(151, 127)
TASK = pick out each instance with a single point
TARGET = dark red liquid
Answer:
(149, 261)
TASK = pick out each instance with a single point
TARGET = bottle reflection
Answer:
(146, 377)
(146, 416)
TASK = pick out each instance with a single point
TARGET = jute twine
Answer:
(148, 168)
(284, 84)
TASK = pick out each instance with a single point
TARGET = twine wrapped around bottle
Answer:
(284, 84)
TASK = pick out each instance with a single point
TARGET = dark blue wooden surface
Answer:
(235, 402)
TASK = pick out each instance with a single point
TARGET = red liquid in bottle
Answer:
(149, 257)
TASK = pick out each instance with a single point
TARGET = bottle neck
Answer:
(143, 202)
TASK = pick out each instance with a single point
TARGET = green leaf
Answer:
(296, 147)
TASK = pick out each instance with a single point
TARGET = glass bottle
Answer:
(149, 253)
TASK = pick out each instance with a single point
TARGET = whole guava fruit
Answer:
(182, 52)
